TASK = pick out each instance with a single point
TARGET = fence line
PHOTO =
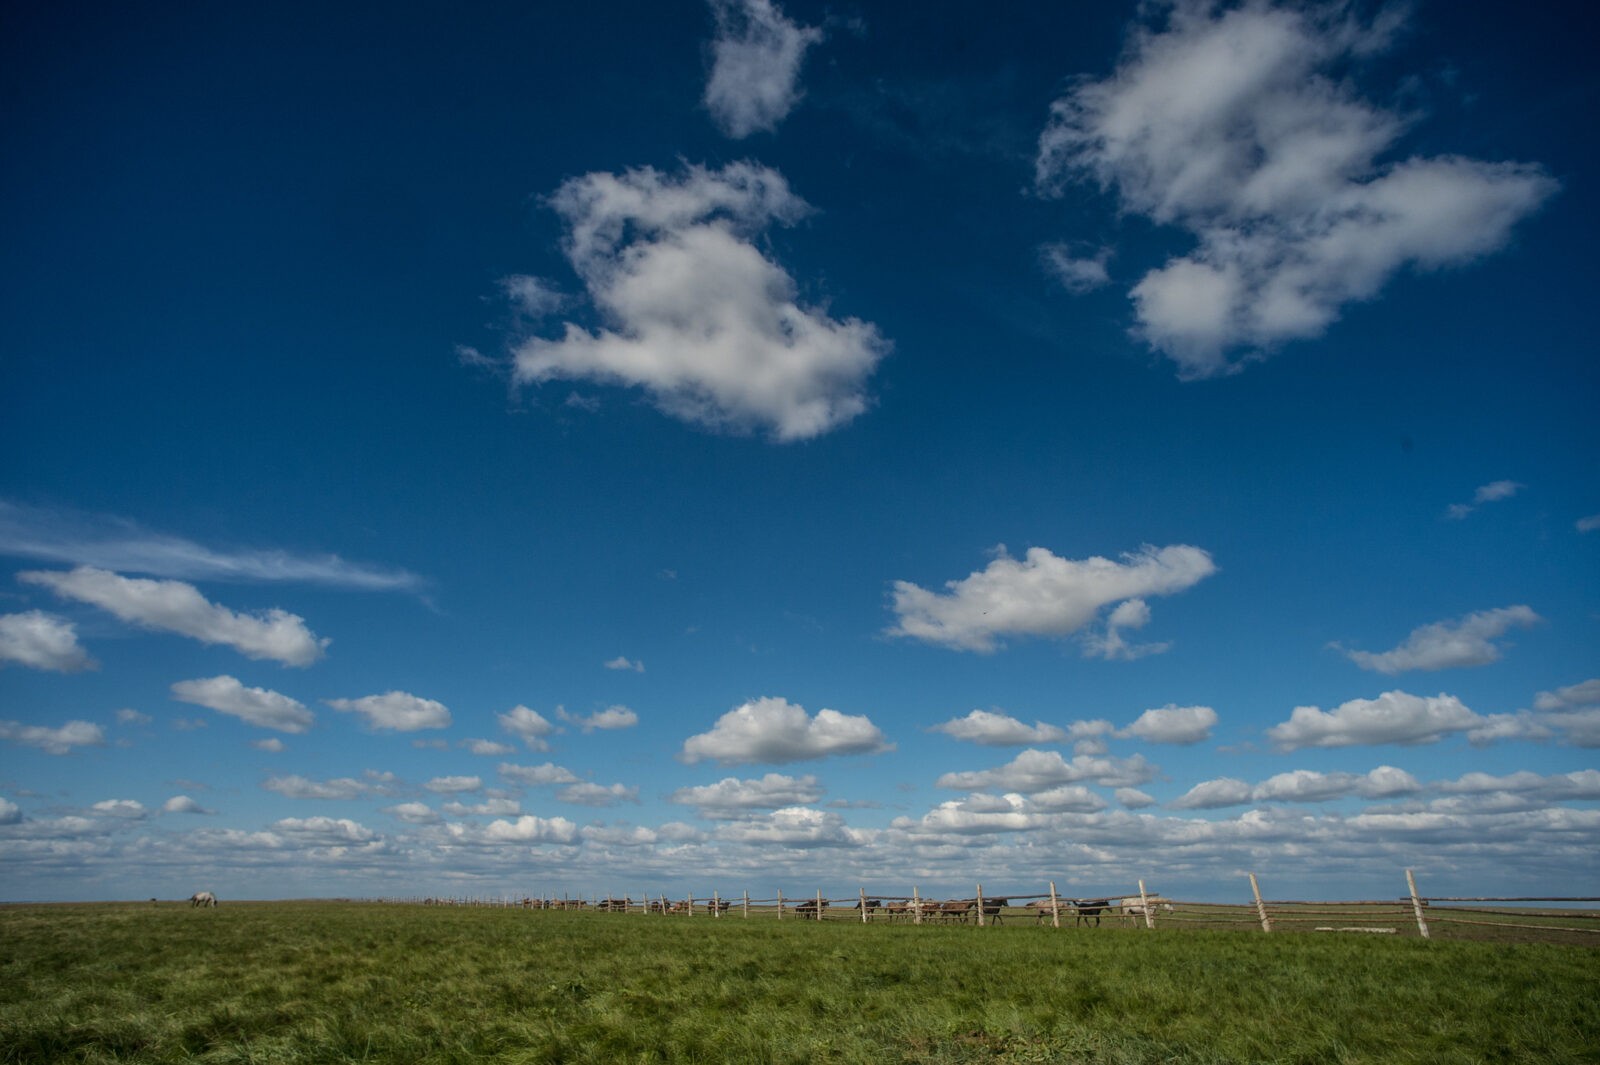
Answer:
(1413, 909)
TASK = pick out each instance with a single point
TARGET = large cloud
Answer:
(694, 313)
(992, 729)
(755, 71)
(42, 641)
(1239, 124)
(1392, 717)
(1173, 724)
(1040, 595)
(257, 706)
(1300, 785)
(1449, 644)
(1575, 710)
(775, 730)
(173, 606)
(399, 711)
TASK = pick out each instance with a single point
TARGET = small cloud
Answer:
(621, 662)
(414, 813)
(528, 725)
(454, 785)
(537, 775)
(255, 706)
(128, 716)
(59, 740)
(1182, 725)
(487, 748)
(1392, 717)
(732, 797)
(1492, 492)
(609, 719)
(396, 711)
(990, 729)
(755, 70)
(130, 809)
(182, 804)
(587, 794)
(1077, 273)
(42, 641)
(1133, 798)
(272, 745)
(1589, 524)
(1455, 644)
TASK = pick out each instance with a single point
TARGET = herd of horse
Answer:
(924, 911)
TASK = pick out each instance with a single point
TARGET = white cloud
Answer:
(755, 71)
(793, 826)
(324, 831)
(487, 748)
(1393, 717)
(182, 804)
(396, 710)
(1077, 273)
(530, 829)
(295, 786)
(173, 606)
(1209, 794)
(131, 809)
(58, 740)
(272, 746)
(537, 775)
(1300, 786)
(1588, 524)
(42, 641)
(622, 662)
(454, 785)
(1492, 492)
(1133, 798)
(1584, 784)
(1041, 595)
(612, 717)
(1449, 644)
(585, 793)
(111, 543)
(775, 730)
(487, 808)
(1575, 710)
(415, 813)
(1035, 771)
(530, 726)
(991, 729)
(732, 797)
(130, 716)
(694, 313)
(256, 706)
(1132, 614)
(10, 812)
(1173, 724)
(1240, 126)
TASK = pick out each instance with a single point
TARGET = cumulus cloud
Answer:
(1133, 798)
(530, 726)
(1042, 595)
(414, 813)
(537, 775)
(732, 797)
(1240, 125)
(487, 748)
(454, 785)
(623, 662)
(612, 717)
(990, 729)
(272, 746)
(585, 793)
(1393, 717)
(1077, 273)
(42, 641)
(1034, 771)
(130, 809)
(526, 829)
(1173, 724)
(755, 68)
(182, 804)
(775, 730)
(59, 740)
(1584, 784)
(1300, 786)
(1575, 710)
(173, 606)
(256, 706)
(1492, 492)
(793, 826)
(396, 710)
(694, 313)
(1449, 644)
(112, 543)
(324, 831)
(295, 786)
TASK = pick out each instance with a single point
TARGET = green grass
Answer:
(348, 982)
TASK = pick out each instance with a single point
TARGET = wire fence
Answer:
(1568, 919)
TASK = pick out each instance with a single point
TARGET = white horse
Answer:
(202, 898)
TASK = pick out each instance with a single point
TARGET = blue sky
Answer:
(732, 446)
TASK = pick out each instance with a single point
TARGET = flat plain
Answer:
(337, 982)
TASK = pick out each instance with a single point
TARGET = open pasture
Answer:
(347, 982)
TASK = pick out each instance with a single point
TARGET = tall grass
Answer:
(307, 982)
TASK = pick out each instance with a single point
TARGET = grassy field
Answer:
(347, 982)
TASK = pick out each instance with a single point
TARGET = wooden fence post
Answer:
(1144, 902)
(746, 904)
(1416, 905)
(716, 904)
(916, 906)
(780, 904)
(980, 905)
(819, 905)
(1055, 907)
(1261, 907)
(863, 905)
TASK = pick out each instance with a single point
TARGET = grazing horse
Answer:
(956, 909)
(809, 908)
(871, 906)
(992, 908)
(202, 898)
(1087, 908)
